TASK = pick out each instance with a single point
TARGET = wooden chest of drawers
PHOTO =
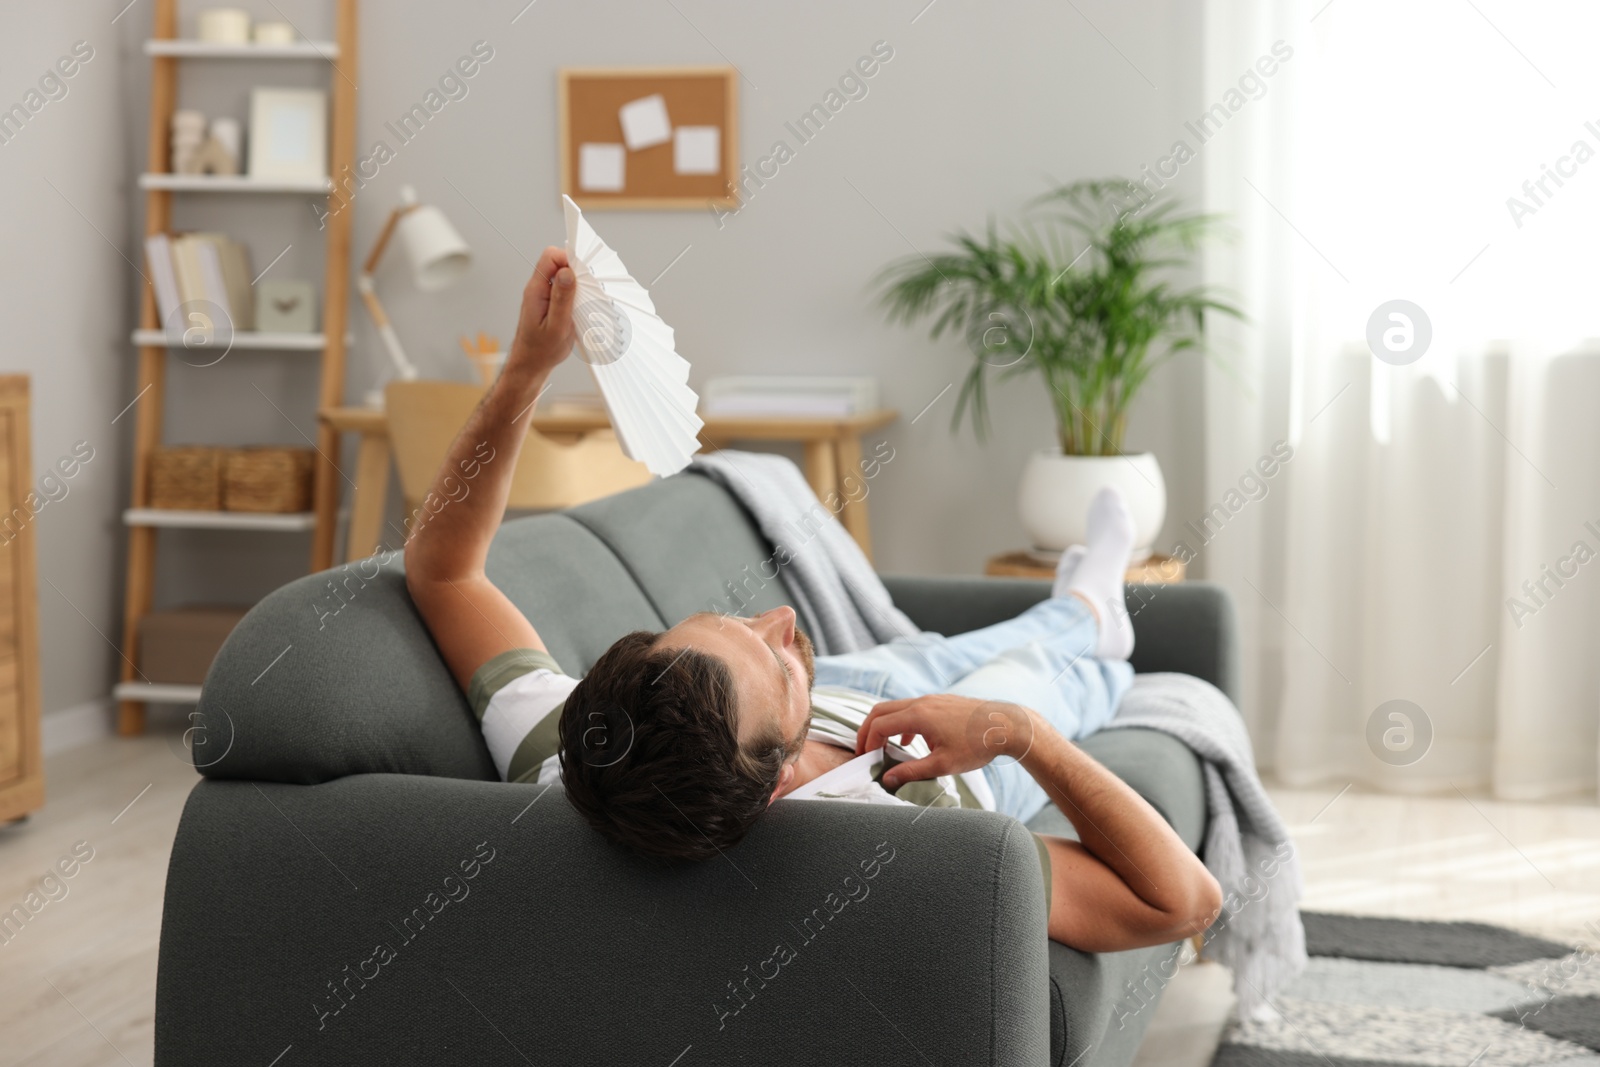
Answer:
(21, 770)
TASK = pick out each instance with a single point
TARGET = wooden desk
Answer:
(832, 453)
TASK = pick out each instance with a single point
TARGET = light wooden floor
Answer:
(1532, 867)
(77, 985)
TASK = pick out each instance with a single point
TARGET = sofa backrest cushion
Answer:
(359, 686)
(690, 547)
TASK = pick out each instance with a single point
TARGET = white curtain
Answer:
(1385, 159)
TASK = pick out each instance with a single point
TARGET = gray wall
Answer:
(64, 186)
(978, 105)
(979, 108)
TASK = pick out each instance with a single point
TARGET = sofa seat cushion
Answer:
(1162, 769)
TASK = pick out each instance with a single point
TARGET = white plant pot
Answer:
(1056, 489)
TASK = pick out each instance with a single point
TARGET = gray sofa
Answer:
(351, 884)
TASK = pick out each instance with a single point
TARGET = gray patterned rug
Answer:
(1380, 992)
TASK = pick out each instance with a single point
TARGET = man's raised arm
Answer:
(472, 621)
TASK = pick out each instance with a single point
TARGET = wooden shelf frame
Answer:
(166, 50)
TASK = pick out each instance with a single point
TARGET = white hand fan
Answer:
(630, 352)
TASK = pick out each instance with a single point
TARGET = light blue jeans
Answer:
(1043, 659)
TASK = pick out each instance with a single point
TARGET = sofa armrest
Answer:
(945, 604)
(401, 920)
(321, 680)
(1188, 627)
(336, 674)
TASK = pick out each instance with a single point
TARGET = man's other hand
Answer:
(964, 734)
(545, 332)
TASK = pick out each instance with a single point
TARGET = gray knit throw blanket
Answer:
(841, 601)
(1247, 849)
(844, 607)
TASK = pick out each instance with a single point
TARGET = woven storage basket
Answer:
(268, 479)
(186, 478)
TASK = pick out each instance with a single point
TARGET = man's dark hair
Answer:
(650, 752)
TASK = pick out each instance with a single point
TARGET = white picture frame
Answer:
(288, 135)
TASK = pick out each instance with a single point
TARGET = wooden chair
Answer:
(424, 418)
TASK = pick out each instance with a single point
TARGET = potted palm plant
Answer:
(1079, 292)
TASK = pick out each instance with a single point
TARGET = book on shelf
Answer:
(211, 280)
(236, 277)
(192, 270)
(158, 254)
(794, 397)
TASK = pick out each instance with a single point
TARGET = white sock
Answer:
(1098, 576)
(1066, 567)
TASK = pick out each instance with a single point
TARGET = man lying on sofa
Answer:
(674, 743)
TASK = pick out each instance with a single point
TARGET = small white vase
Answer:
(1054, 496)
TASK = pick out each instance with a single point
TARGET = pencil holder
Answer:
(488, 365)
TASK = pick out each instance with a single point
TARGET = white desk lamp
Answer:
(438, 258)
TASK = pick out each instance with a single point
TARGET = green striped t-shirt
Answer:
(518, 697)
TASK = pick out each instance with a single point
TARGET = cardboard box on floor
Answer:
(176, 646)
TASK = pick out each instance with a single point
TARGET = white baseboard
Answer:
(78, 725)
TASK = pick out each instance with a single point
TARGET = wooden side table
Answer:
(832, 454)
(1024, 564)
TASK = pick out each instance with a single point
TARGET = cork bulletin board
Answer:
(649, 138)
